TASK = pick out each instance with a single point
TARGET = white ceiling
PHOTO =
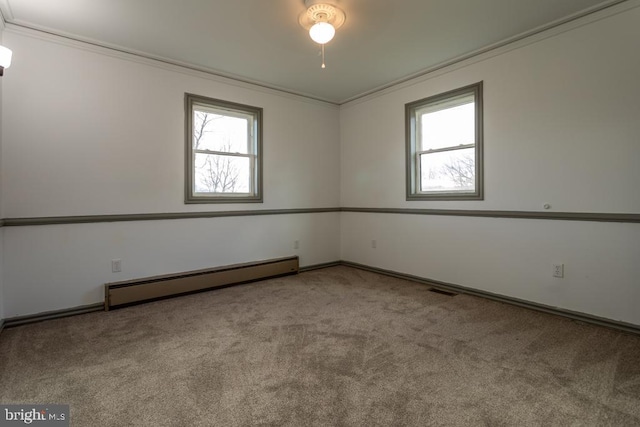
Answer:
(382, 41)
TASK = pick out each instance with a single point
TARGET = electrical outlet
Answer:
(296, 244)
(116, 265)
(558, 270)
(374, 244)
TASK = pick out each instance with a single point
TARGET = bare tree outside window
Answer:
(223, 151)
(216, 174)
(449, 170)
(200, 122)
(444, 146)
(461, 171)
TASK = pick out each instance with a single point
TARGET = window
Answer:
(223, 151)
(444, 146)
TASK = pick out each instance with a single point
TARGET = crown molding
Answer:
(6, 14)
(595, 13)
(96, 46)
(579, 19)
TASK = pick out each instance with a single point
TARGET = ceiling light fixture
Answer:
(5, 58)
(322, 20)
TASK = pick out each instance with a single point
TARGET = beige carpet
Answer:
(337, 346)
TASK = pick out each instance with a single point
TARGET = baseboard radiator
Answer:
(130, 292)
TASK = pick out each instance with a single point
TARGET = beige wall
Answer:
(87, 131)
(91, 132)
(561, 127)
(1, 215)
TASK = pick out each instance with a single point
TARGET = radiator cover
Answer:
(152, 288)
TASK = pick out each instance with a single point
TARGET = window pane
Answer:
(217, 132)
(222, 174)
(449, 127)
(448, 171)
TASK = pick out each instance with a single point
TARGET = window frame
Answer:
(413, 192)
(254, 151)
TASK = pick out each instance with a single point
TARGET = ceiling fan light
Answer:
(322, 32)
(5, 57)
